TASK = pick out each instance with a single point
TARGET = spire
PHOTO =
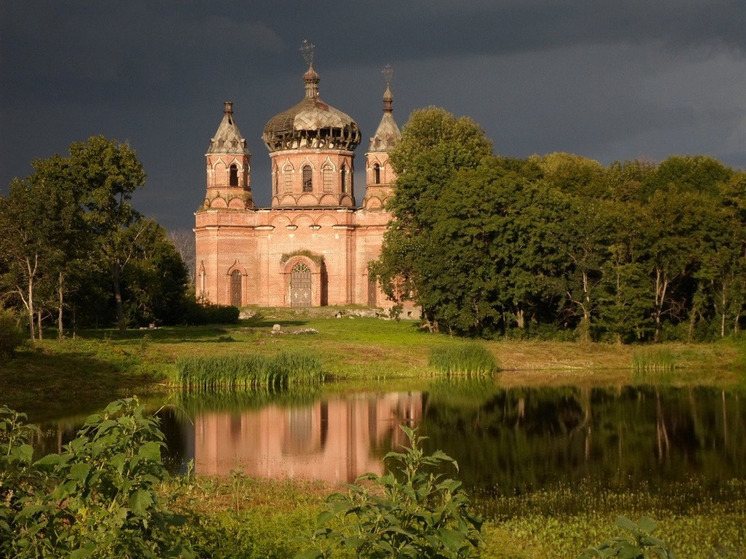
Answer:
(228, 138)
(310, 77)
(387, 135)
(388, 97)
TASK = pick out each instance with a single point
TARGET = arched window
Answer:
(234, 175)
(327, 176)
(275, 179)
(287, 172)
(377, 173)
(236, 288)
(345, 179)
(307, 179)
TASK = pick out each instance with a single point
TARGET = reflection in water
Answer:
(506, 440)
(333, 440)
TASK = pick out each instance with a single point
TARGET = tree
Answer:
(41, 237)
(433, 147)
(108, 173)
(157, 281)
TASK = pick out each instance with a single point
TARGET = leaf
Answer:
(150, 451)
(24, 453)
(50, 460)
(647, 524)
(626, 524)
(139, 501)
(79, 472)
(452, 539)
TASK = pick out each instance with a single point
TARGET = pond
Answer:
(508, 441)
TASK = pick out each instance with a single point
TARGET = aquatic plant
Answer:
(470, 359)
(246, 372)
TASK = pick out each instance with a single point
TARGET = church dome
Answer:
(311, 124)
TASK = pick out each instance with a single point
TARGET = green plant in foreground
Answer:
(412, 511)
(640, 544)
(96, 499)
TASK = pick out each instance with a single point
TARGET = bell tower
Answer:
(228, 167)
(380, 177)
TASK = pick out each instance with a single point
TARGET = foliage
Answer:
(98, 498)
(470, 359)
(639, 544)
(246, 372)
(71, 243)
(632, 252)
(11, 334)
(200, 313)
(412, 511)
(318, 259)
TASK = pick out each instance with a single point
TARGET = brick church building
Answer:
(313, 245)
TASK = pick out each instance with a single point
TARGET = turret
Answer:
(228, 166)
(380, 178)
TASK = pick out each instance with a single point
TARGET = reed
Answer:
(653, 360)
(248, 372)
(468, 359)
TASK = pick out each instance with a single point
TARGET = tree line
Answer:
(560, 245)
(74, 251)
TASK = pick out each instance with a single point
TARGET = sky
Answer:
(605, 80)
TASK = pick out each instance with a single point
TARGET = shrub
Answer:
(198, 314)
(11, 334)
(95, 499)
(639, 544)
(470, 359)
(412, 511)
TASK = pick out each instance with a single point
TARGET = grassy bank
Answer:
(258, 518)
(96, 366)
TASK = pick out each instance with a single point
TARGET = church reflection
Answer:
(336, 439)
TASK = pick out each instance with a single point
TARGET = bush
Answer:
(412, 511)
(198, 314)
(11, 335)
(639, 544)
(95, 499)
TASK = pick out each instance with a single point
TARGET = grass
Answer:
(465, 359)
(244, 517)
(248, 372)
(81, 375)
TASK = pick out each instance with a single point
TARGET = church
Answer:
(313, 245)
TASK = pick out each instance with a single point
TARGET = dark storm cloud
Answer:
(604, 80)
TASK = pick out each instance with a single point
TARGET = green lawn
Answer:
(97, 366)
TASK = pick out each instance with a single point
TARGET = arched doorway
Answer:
(236, 288)
(300, 285)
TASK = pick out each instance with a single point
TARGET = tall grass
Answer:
(248, 372)
(653, 360)
(468, 359)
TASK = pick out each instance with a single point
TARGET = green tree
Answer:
(434, 146)
(41, 237)
(572, 174)
(108, 172)
(156, 282)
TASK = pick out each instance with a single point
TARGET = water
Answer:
(508, 441)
